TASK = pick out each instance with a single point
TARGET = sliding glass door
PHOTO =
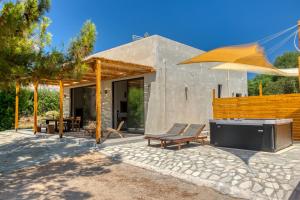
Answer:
(135, 104)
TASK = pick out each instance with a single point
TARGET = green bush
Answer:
(48, 100)
(7, 108)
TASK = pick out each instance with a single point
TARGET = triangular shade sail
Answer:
(250, 58)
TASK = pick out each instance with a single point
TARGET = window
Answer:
(219, 90)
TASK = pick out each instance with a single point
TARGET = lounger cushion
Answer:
(177, 128)
(194, 130)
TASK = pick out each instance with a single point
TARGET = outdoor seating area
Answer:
(51, 125)
(72, 127)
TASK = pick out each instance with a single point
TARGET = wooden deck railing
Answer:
(270, 106)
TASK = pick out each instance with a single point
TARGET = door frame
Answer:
(113, 96)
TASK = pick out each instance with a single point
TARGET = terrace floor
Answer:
(239, 173)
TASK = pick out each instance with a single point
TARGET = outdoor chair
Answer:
(116, 131)
(192, 133)
(50, 128)
(175, 130)
(76, 124)
(90, 129)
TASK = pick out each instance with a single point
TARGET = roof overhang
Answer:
(110, 69)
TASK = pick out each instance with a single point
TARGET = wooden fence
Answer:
(271, 106)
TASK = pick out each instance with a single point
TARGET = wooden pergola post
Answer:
(260, 89)
(98, 100)
(35, 106)
(61, 108)
(17, 105)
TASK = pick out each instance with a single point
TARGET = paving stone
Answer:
(246, 185)
(257, 187)
(214, 177)
(196, 174)
(234, 182)
(263, 175)
(204, 175)
(279, 194)
(188, 172)
(268, 191)
(286, 186)
(242, 171)
(237, 177)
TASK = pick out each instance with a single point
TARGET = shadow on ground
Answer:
(53, 180)
(27, 151)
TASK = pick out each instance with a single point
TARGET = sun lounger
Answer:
(192, 133)
(176, 129)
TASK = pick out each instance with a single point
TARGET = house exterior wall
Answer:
(174, 93)
(183, 93)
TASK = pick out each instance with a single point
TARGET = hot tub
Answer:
(253, 134)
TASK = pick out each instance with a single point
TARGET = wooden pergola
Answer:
(99, 69)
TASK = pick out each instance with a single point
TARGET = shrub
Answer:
(48, 100)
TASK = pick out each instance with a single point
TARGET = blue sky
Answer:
(204, 24)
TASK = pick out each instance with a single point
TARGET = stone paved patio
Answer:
(240, 173)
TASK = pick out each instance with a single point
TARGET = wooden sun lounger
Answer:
(115, 131)
(175, 130)
(192, 133)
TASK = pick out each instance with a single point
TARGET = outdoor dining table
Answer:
(68, 120)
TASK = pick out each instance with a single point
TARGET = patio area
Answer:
(239, 173)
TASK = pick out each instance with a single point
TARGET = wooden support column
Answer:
(61, 108)
(17, 105)
(35, 106)
(98, 100)
(260, 89)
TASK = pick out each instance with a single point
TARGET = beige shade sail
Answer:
(250, 68)
(292, 72)
(250, 58)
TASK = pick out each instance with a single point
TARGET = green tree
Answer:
(277, 84)
(23, 55)
(18, 21)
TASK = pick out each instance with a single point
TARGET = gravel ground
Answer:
(94, 176)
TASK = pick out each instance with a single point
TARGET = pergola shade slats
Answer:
(110, 69)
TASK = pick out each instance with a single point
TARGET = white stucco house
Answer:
(151, 103)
